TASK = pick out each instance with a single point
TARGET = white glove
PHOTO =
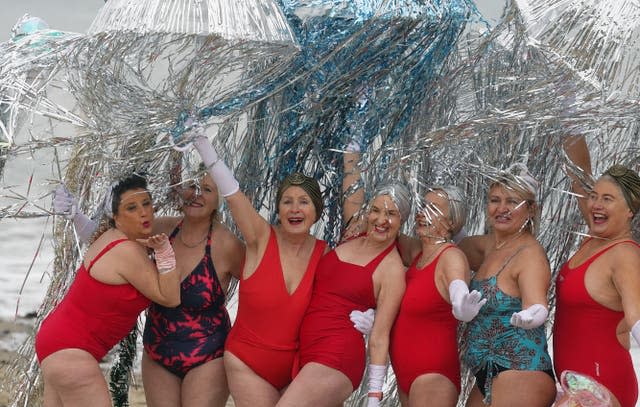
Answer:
(635, 332)
(530, 318)
(363, 321)
(221, 174)
(65, 204)
(376, 379)
(465, 305)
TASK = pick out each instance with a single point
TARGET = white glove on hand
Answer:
(635, 332)
(64, 203)
(363, 321)
(221, 174)
(465, 305)
(376, 379)
(530, 318)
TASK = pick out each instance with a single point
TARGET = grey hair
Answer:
(457, 205)
(399, 194)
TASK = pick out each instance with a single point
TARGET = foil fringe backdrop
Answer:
(454, 103)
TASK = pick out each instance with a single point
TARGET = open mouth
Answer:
(599, 218)
(295, 220)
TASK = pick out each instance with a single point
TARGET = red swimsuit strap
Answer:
(108, 247)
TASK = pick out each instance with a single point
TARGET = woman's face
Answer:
(296, 210)
(610, 214)
(200, 199)
(135, 213)
(433, 218)
(383, 219)
(508, 211)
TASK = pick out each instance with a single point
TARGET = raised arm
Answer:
(581, 176)
(353, 199)
(253, 227)
(65, 204)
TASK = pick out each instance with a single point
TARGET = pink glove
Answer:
(363, 321)
(530, 318)
(221, 174)
(465, 305)
(165, 258)
(376, 379)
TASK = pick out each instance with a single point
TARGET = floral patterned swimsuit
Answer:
(494, 345)
(194, 332)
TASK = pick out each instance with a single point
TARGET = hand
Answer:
(530, 318)
(363, 321)
(208, 154)
(373, 402)
(465, 305)
(165, 257)
(64, 203)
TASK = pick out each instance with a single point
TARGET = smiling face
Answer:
(134, 216)
(296, 210)
(610, 214)
(432, 221)
(508, 211)
(200, 199)
(383, 219)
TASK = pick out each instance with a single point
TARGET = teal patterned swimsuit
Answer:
(493, 344)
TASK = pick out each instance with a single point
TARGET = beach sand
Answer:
(11, 336)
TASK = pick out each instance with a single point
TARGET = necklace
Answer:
(511, 239)
(195, 244)
(424, 260)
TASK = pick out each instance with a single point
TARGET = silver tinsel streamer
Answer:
(430, 92)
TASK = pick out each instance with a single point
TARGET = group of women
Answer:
(294, 343)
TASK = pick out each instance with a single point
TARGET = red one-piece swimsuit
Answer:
(584, 335)
(265, 333)
(327, 335)
(424, 318)
(93, 316)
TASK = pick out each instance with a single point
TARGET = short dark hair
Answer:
(133, 181)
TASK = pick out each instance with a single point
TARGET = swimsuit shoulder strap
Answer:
(108, 247)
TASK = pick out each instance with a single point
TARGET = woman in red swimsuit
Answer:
(115, 282)
(275, 284)
(437, 278)
(364, 271)
(598, 289)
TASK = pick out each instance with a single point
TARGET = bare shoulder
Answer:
(393, 261)
(165, 224)
(625, 255)
(453, 255)
(474, 248)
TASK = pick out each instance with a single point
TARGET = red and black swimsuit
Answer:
(194, 332)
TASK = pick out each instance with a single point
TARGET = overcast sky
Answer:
(77, 15)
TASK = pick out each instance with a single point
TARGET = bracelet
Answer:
(375, 394)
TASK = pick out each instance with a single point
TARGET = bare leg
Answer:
(317, 386)
(206, 385)
(433, 389)
(161, 387)
(475, 398)
(513, 387)
(73, 377)
(247, 388)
